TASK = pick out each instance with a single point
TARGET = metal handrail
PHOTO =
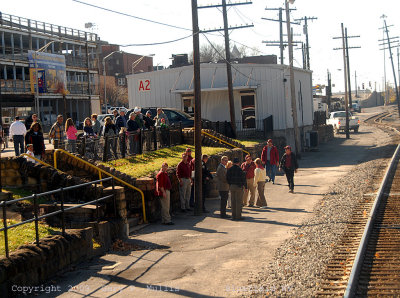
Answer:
(36, 217)
(36, 159)
(212, 136)
(101, 171)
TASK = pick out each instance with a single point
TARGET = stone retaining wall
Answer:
(31, 264)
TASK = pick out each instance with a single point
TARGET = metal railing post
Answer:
(97, 202)
(84, 146)
(5, 228)
(123, 149)
(114, 200)
(155, 137)
(62, 213)
(105, 153)
(35, 210)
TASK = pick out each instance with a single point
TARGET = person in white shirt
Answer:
(259, 182)
(17, 133)
(29, 151)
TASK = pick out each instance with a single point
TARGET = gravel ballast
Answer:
(299, 263)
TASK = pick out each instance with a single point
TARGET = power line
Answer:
(131, 16)
(156, 43)
(237, 70)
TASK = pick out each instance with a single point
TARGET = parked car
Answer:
(101, 118)
(338, 121)
(175, 116)
(356, 107)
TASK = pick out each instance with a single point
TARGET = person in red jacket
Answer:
(270, 158)
(163, 187)
(248, 168)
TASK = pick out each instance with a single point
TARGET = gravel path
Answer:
(300, 261)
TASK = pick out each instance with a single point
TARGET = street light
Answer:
(104, 75)
(136, 62)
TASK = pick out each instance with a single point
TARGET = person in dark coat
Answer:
(236, 179)
(289, 165)
(110, 132)
(35, 137)
(206, 177)
(134, 134)
(148, 120)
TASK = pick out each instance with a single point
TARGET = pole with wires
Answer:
(229, 69)
(197, 113)
(292, 86)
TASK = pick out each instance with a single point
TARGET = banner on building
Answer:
(51, 72)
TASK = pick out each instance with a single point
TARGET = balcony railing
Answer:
(11, 21)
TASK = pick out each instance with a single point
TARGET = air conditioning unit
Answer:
(311, 139)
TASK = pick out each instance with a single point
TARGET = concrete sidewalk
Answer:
(209, 256)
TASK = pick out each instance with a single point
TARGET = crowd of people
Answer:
(238, 184)
(65, 135)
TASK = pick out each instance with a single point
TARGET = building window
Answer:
(121, 81)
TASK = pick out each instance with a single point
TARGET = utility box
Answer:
(312, 139)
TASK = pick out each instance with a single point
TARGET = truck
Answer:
(338, 121)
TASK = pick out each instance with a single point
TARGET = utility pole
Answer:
(345, 47)
(305, 30)
(228, 56)
(281, 21)
(229, 69)
(329, 91)
(384, 61)
(346, 100)
(394, 72)
(348, 68)
(197, 113)
(292, 86)
(355, 77)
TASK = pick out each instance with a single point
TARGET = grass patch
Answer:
(18, 193)
(250, 142)
(24, 234)
(142, 165)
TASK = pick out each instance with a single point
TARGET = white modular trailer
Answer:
(260, 90)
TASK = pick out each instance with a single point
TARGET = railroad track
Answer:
(367, 260)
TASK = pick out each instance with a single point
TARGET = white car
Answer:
(338, 121)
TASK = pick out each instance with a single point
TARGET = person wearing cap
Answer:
(148, 120)
(139, 117)
(183, 174)
(188, 152)
(163, 188)
(270, 159)
(236, 179)
(17, 133)
(289, 165)
(248, 167)
(121, 121)
(134, 134)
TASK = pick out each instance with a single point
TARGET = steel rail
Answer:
(358, 261)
